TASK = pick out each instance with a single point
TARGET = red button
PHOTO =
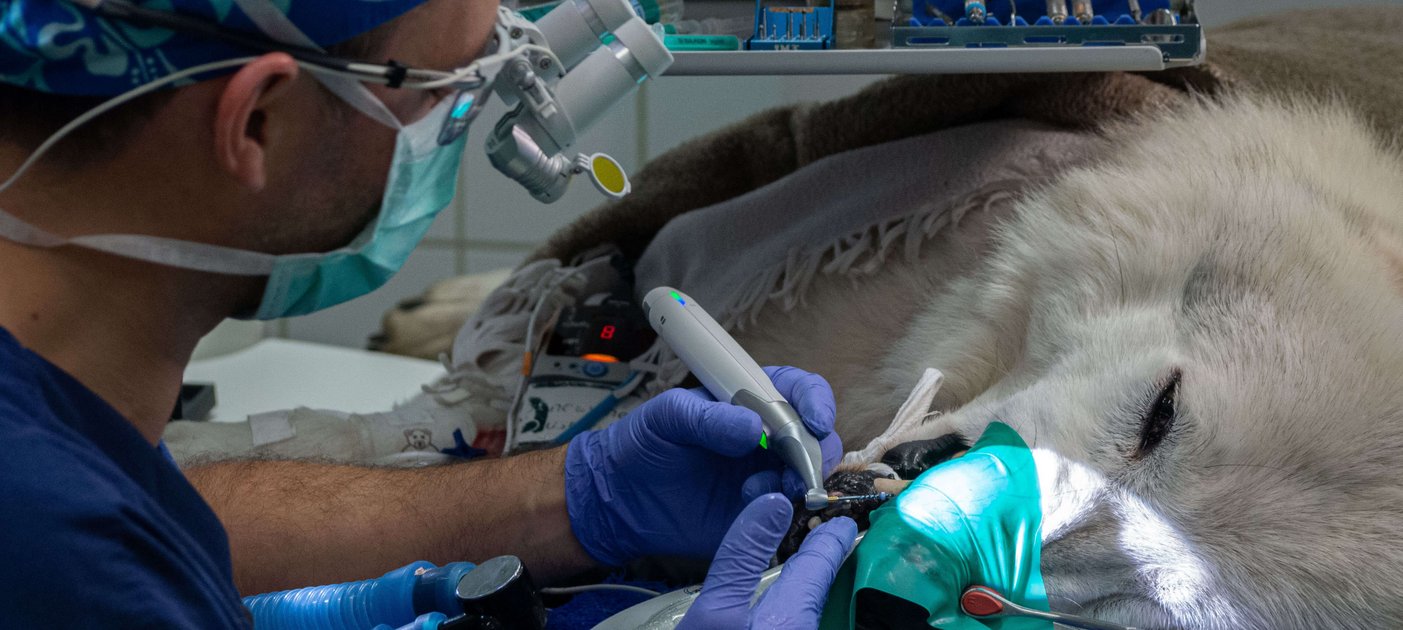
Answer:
(980, 604)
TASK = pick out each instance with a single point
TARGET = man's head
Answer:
(263, 158)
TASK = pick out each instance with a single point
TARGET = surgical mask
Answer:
(422, 181)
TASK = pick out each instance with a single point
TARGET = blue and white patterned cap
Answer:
(58, 47)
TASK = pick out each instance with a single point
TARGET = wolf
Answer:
(1200, 335)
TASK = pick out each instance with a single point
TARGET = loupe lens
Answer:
(466, 106)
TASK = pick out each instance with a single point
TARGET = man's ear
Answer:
(240, 132)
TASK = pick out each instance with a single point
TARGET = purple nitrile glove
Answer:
(795, 600)
(670, 477)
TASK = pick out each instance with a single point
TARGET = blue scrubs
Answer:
(98, 528)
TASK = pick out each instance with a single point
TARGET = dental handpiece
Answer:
(732, 376)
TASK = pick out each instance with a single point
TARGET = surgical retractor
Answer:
(732, 376)
(1057, 11)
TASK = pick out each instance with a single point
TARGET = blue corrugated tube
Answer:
(394, 599)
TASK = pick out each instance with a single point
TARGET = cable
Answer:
(455, 77)
(571, 590)
(319, 61)
(530, 348)
(593, 416)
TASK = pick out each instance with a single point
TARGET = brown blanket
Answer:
(1349, 54)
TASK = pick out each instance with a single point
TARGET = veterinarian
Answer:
(121, 244)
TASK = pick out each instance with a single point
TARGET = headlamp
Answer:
(555, 98)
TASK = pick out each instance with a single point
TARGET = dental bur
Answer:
(732, 376)
(879, 496)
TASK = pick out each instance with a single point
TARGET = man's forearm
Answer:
(295, 524)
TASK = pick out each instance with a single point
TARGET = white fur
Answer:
(1255, 246)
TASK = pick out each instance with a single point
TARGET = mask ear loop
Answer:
(355, 94)
(276, 25)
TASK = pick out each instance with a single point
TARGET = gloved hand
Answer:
(670, 477)
(796, 599)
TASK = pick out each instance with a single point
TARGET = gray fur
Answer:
(1255, 246)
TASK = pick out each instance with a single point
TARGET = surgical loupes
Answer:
(552, 103)
(731, 375)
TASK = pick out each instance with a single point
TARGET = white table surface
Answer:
(276, 374)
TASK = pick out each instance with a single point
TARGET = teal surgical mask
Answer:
(422, 181)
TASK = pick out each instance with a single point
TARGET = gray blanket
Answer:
(848, 213)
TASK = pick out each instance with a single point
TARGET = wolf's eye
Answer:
(1159, 417)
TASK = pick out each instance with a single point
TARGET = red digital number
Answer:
(607, 332)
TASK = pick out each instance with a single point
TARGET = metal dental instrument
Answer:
(1161, 16)
(1057, 11)
(982, 602)
(1082, 10)
(975, 11)
(879, 496)
(732, 376)
(1135, 10)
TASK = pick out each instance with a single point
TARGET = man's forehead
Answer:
(441, 34)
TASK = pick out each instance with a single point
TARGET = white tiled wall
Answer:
(493, 223)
